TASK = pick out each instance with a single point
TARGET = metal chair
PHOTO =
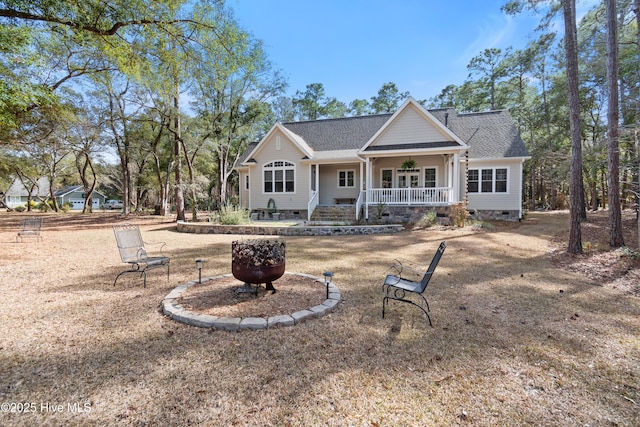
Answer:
(133, 252)
(409, 279)
(30, 228)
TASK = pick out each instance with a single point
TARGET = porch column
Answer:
(456, 177)
(368, 185)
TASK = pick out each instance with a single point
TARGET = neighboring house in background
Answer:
(17, 195)
(75, 196)
(398, 165)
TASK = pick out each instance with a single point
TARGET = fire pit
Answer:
(257, 261)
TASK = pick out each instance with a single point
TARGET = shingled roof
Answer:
(489, 135)
(338, 134)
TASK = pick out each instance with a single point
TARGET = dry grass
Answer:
(517, 340)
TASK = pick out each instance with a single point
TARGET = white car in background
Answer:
(113, 204)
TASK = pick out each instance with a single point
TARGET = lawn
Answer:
(522, 335)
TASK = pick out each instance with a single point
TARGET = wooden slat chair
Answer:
(133, 252)
(409, 279)
(30, 228)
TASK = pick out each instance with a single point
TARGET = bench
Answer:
(344, 200)
(410, 279)
(133, 252)
(30, 228)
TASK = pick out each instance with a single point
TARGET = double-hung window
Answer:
(430, 177)
(346, 179)
(489, 180)
(279, 177)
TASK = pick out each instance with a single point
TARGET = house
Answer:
(75, 196)
(17, 195)
(397, 166)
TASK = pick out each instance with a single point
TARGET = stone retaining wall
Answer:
(298, 230)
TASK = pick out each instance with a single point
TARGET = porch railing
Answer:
(359, 203)
(313, 203)
(410, 196)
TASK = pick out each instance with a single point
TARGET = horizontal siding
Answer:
(329, 183)
(421, 162)
(408, 128)
(496, 201)
(288, 152)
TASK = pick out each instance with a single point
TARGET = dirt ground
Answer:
(524, 334)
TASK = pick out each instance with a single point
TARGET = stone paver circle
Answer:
(171, 308)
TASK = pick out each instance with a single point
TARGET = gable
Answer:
(412, 127)
(279, 143)
(17, 188)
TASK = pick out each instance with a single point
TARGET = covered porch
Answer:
(410, 180)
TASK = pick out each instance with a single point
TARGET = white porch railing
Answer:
(410, 196)
(359, 204)
(313, 203)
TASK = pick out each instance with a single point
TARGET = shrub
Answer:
(44, 207)
(380, 210)
(19, 208)
(458, 215)
(482, 225)
(230, 215)
(428, 219)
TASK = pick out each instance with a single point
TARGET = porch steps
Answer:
(335, 213)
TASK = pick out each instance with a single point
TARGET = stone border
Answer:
(171, 308)
(294, 230)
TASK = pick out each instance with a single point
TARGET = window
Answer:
(430, 177)
(472, 184)
(279, 177)
(346, 178)
(387, 178)
(501, 180)
(487, 180)
(246, 182)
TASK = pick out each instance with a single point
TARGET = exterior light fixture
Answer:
(328, 275)
(199, 265)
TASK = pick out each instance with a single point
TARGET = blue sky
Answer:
(353, 47)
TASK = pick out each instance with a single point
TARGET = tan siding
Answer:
(410, 127)
(496, 201)
(329, 183)
(421, 162)
(288, 152)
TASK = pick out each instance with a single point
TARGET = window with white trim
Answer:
(279, 177)
(489, 180)
(387, 178)
(430, 177)
(347, 178)
(246, 182)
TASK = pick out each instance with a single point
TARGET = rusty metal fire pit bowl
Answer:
(257, 261)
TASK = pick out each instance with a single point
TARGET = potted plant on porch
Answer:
(408, 164)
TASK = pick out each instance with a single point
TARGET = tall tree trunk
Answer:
(180, 215)
(576, 186)
(637, 11)
(615, 216)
